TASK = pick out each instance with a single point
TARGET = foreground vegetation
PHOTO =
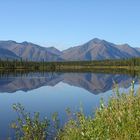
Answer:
(27, 127)
(119, 119)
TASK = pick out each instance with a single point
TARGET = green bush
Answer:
(119, 120)
(27, 127)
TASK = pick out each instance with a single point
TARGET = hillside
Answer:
(97, 49)
(30, 51)
(6, 54)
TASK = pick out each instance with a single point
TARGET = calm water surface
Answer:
(54, 92)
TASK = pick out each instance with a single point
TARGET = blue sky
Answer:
(66, 23)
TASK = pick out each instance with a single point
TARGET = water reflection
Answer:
(54, 92)
(94, 83)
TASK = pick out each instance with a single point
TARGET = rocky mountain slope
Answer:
(30, 51)
(6, 54)
(95, 49)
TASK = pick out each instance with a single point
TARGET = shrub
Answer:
(27, 127)
(120, 119)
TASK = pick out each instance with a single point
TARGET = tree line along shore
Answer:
(121, 64)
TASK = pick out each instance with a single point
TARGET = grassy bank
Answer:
(119, 119)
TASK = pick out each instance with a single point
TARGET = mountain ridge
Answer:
(30, 51)
(95, 49)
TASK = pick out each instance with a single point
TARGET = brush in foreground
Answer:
(120, 119)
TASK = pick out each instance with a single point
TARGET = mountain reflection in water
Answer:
(92, 82)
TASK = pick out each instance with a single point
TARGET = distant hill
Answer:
(6, 54)
(95, 49)
(31, 51)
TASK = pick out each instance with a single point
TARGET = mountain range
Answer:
(95, 49)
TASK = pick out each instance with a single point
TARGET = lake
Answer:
(54, 92)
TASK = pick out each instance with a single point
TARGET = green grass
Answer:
(118, 120)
